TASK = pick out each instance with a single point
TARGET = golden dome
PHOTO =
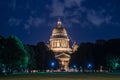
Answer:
(59, 31)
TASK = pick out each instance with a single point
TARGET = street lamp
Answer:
(52, 64)
(89, 66)
(74, 66)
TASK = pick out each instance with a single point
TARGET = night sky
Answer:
(32, 21)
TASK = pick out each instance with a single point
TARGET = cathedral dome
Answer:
(59, 31)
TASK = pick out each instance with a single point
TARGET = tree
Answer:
(44, 56)
(31, 57)
(83, 55)
(99, 54)
(113, 62)
(14, 56)
(102, 53)
(2, 46)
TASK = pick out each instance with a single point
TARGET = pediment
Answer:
(62, 55)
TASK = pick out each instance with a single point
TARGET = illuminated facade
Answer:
(59, 43)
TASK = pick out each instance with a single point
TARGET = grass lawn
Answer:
(62, 76)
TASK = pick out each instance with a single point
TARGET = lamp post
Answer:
(89, 66)
(52, 64)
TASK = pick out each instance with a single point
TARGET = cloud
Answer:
(12, 5)
(33, 22)
(75, 20)
(71, 3)
(14, 21)
(71, 11)
(66, 10)
(97, 18)
(26, 26)
(58, 8)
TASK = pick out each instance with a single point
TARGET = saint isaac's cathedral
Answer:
(59, 44)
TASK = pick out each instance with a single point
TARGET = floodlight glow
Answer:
(52, 64)
(89, 65)
(74, 66)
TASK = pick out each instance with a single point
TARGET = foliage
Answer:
(16, 56)
(44, 56)
(113, 61)
(82, 56)
(31, 57)
(102, 53)
(13, 54)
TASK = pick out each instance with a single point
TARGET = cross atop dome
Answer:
(59, 23)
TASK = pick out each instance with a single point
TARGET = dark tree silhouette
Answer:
(44, 56)
(13, 55)
(82, 56)
(31, 57)
(102, 53)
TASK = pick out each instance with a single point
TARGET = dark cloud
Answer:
(33, 22)
(13, 5)
(14, 21)
(71, 3)
(58, 8)
(98, 18)
(66, 9)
